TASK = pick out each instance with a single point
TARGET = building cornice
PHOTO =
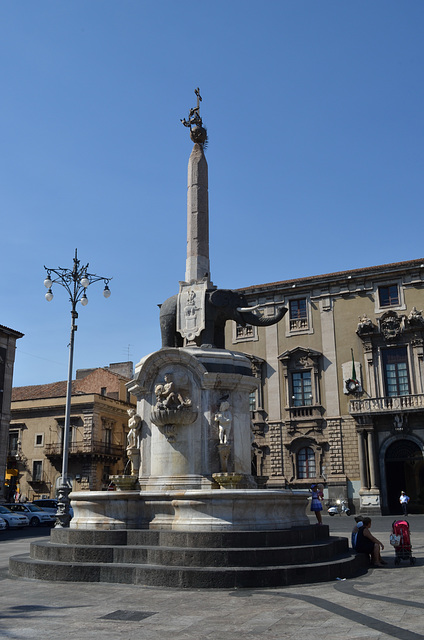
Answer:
(361, 276)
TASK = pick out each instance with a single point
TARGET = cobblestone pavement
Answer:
(385, 603)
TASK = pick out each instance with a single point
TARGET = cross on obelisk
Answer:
(197, 264)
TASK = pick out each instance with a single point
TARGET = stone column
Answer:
(372, 461)
(332, 403)
(197, 265)
(272, 373)
(362, 461)
(275, 469)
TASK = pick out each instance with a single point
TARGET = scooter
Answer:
(339, 508)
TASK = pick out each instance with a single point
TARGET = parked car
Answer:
(50, 505)
(3, 524)
(13, 520)
(36, 516)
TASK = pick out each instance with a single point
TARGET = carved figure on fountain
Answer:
(134, 423)
(173, 405)
(224, 419)
(133, 441)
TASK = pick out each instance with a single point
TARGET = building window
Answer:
(108, 439)
(306, 463)
(37, 470)
(72, 434)
(302, 389)
(39, 439)
(396, 372)
(389, 296)
(252, 401)
(13, 443)
(298, 314)
(103, 391)
(244, 334)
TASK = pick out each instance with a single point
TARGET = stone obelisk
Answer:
(197, 264)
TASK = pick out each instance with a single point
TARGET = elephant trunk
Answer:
(261, 321)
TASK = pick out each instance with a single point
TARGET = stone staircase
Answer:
(192, 560)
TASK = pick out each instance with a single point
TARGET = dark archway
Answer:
(404, 472)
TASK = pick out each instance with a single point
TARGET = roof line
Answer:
(360, 271)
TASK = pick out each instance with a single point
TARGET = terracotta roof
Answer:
(38, 391)
(363, 271)
(58, 389)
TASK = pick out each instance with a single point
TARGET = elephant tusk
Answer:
(258, 306)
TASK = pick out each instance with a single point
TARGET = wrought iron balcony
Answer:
(394, 404)
(37, 478)
(86, 448)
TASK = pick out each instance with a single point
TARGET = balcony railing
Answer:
(305, 412)
(91, 447)
(38, 478)
(395, 404)
(299, 324)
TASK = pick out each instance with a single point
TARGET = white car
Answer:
(13, 520)
(50, 505)
(36, 516)
(3, 524)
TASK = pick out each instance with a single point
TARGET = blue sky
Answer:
(314, 110)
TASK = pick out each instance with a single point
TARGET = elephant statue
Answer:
(220, 305)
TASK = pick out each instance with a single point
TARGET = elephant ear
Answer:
(222, 297)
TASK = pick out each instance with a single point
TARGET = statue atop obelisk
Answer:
(197, 264)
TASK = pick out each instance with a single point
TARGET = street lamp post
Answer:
(76, 282)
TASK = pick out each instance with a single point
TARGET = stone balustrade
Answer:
(384, 405)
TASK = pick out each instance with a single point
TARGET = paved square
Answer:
(385, 603)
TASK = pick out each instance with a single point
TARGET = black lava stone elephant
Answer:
(220, 305)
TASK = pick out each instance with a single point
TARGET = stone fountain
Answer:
(190, 442)
(190, 514)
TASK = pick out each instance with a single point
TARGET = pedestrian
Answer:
(404, 499)
(367, 543)
(316, 504)
(359, 523)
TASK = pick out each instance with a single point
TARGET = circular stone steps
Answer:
(177, 559)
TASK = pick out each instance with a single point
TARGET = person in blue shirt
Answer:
(316, 502)
(358, 525)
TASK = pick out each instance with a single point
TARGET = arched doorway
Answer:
(404, 471)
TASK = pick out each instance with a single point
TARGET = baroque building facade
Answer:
(341, 397)
(8, 338)
(97, 438)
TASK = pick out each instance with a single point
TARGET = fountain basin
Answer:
(190, 510)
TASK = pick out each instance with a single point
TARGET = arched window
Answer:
(306, 463)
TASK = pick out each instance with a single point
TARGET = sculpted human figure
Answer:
(167, 396)
(364, 324)
(134, 424)
(224, 419)
(416, 316)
